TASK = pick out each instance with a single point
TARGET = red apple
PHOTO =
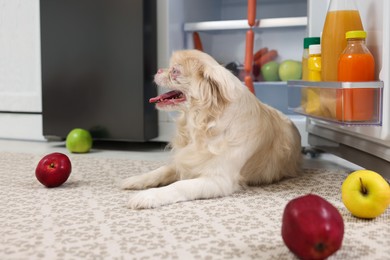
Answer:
(53, 169)
(312, 228)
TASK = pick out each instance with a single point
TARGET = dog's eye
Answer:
(175, 72)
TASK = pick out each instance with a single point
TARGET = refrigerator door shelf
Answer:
(344, 103)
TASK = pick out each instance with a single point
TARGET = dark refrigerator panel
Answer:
(98, 62)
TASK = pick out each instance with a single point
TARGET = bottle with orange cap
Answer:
(356, 63)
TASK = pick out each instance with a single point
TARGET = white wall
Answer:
(20, 70)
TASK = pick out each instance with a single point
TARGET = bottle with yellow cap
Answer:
(356, 63)
(314, 63)
(313, 106)
(305, 70)
(305, 56)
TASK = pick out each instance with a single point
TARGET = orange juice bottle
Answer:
(342, 16)
(356, 63)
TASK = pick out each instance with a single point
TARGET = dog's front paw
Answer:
(133, 183)
(153, 198)
(145, 200)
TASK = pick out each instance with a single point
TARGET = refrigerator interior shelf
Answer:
(243, 24)
(273, 93)
(346, 103)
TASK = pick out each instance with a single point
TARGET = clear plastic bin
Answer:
(347, 103)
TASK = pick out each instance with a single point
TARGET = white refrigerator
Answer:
(282, 25)
(222, 25)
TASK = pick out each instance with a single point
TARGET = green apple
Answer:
(290, 70)
(366, 194)
(79, 141)
(270, 71)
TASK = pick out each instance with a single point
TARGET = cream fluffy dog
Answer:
(226, 139)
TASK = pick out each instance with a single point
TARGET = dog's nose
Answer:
(159, 71)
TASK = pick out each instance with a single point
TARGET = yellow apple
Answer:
(366, 194)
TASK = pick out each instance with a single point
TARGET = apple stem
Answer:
(363, 188)
(52, 165)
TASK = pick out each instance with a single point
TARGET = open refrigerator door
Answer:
(364, 143)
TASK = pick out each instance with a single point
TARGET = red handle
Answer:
(251, 12)
(249, 51)
(250, 37)
(249, 83)
(197, 41)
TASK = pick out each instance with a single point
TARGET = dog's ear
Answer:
(215, 86)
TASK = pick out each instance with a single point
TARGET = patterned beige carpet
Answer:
(86, 218)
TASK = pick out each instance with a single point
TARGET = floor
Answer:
(147, 151)
(87, 217)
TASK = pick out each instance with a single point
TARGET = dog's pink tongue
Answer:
(154, 99)
(167, 95)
